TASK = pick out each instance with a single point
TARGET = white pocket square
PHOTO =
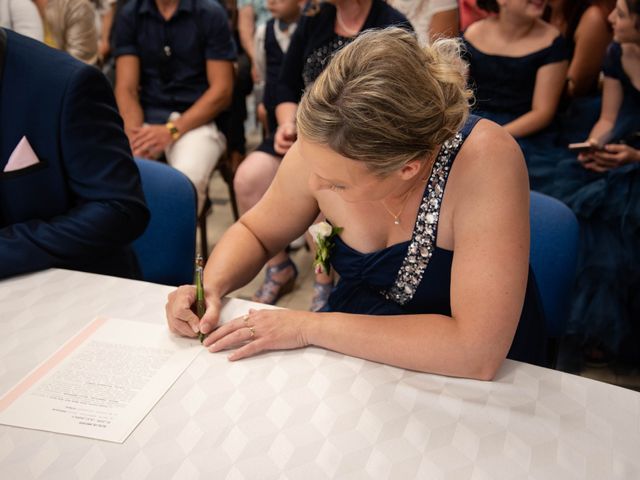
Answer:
(22, 156)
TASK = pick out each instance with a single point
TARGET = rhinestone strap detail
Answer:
(423, 239)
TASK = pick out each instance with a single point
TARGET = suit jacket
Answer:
(81, 204)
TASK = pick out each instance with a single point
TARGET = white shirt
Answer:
(282, 37)
(420, 12)
(21, 16)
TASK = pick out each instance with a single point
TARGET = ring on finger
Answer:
(253, 333)
(245, 319)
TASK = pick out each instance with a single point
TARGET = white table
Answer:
(310, 413)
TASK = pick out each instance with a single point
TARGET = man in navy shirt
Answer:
(174, 75)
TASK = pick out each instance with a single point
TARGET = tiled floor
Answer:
(221, 218)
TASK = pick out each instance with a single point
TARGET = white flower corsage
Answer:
(322, 234)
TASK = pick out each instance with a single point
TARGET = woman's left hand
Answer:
(613, 155)
(261, 330)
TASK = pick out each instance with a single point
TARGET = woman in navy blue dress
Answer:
(518, 67)
(602, 186)
(434, 216)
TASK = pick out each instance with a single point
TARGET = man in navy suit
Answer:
(70, 193)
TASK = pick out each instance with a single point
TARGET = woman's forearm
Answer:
(286, 112)
(235, 261)
(528, 124)
(427, 343)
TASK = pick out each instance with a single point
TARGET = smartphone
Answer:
(582, 146)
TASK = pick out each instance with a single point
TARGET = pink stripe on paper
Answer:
(49, 364)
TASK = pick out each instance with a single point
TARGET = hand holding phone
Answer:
(584, 147)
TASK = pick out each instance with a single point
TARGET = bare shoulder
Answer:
(478, 29)
(545, 33)
(489, 164)
(593, 18)
(490, 148)
(293, 172)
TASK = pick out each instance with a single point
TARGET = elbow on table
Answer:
(487, 372)
(483, 364)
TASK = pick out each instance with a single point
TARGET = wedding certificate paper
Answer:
(102, 382)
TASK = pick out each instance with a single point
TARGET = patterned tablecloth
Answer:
(310, 413)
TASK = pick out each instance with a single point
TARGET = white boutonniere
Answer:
(322, 234)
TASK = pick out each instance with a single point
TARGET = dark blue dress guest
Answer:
(380, 282)
(70, 194)
(430, 215)
(504, 88)
(605, 304)
(518, 69)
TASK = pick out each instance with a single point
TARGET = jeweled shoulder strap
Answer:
(423, 240)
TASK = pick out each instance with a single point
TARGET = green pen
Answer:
(200, 305)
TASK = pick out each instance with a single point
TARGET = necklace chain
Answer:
(396, 217)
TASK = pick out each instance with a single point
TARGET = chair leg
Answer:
(227, 166)
(202, 225)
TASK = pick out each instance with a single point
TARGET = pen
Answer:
(200, 305)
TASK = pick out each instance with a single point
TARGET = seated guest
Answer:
(587, 33)
(71, 26)
(325, 28)
(518, 66)
(174, 75)
(257, 170)
(603, 188)
(430, 222)
(430, 18)
(22, 17)
(70, 194)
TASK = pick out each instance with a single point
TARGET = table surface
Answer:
(310, 413)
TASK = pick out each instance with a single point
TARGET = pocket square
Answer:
(22, 156)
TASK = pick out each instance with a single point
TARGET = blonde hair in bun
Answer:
(386, 101)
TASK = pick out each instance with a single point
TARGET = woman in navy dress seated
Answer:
(434, 210)
(602, 186)
(518, 68)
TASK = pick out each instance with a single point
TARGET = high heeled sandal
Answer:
(321, 292)
(272, 290)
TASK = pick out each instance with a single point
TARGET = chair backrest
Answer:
(166, 250)
(553, 256)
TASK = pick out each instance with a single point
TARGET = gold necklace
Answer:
(396, 217)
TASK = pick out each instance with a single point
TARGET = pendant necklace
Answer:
(396, 216)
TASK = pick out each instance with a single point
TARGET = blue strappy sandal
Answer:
(272, 290)
(321, 292)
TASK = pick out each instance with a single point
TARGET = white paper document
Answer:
(102, 382)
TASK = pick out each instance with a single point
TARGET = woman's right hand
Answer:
(181, 318)
(285, 136)
(587, 158)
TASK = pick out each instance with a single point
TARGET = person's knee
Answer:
(244, 181)
(254, 175)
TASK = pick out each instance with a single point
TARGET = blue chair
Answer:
(553, 257)
(166, 250)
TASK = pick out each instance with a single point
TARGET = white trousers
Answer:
(196, 154)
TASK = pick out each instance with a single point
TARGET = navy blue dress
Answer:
(504, 87)
(415, 276)
(606, 300)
